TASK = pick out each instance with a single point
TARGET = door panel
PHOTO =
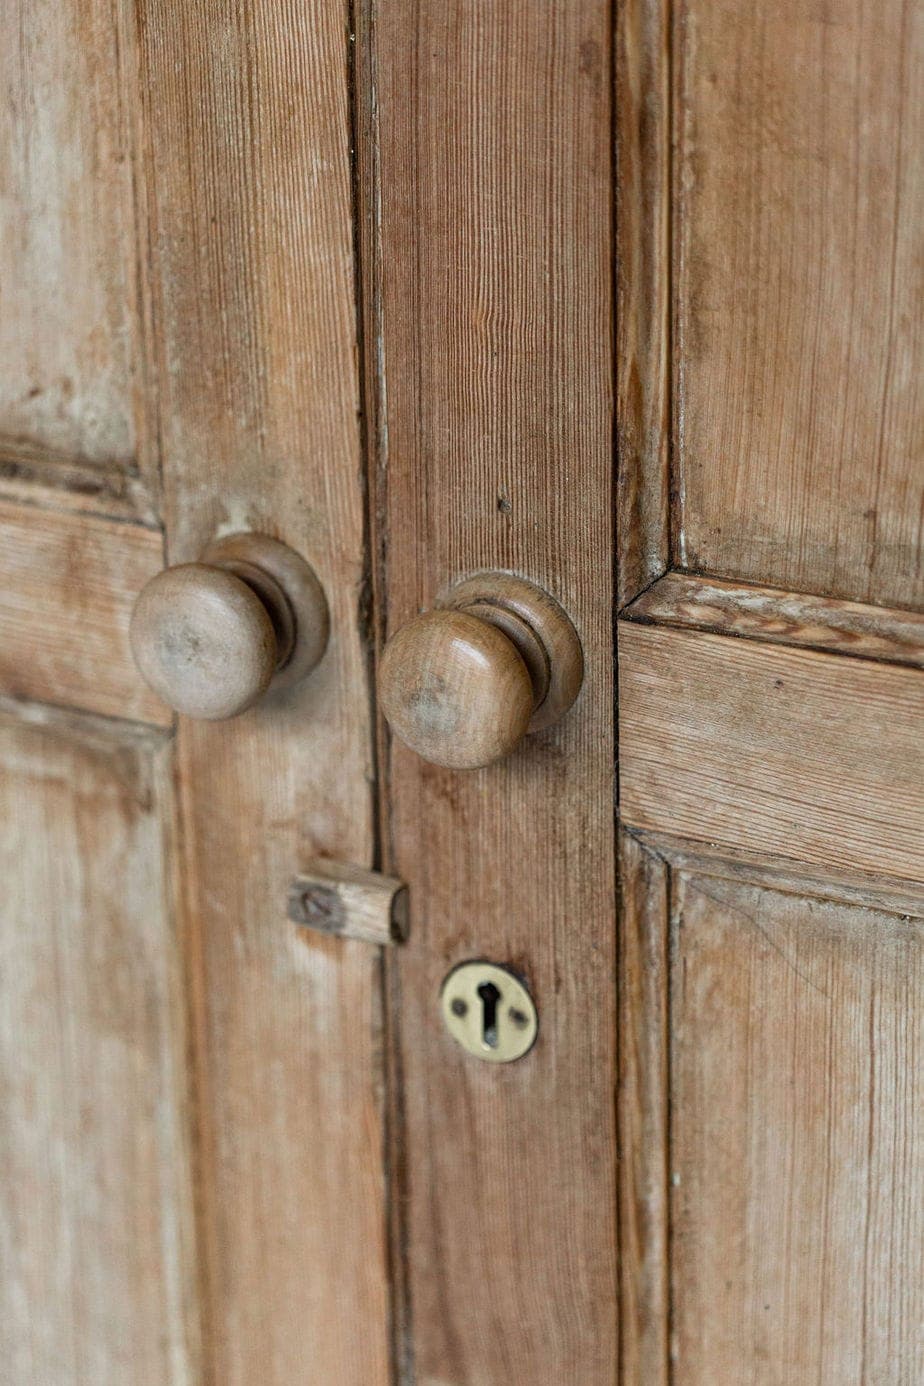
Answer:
(251, 257)
(344, 274)
(208, 151)
(798, 281)
(771, 693)
(489, 312)
(796, 1035)
(98, 1278)
(71, 345)
(749, 746)
(67, 586)
(798, 284)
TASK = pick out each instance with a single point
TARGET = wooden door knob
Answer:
(211, 637)
(464, 683)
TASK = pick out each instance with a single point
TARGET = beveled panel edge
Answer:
(786, 875)
(690, 601)
(47, 480)
(643, 99)
(643, 1112)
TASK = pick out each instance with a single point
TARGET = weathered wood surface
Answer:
(770, 737)
(784, 618)
(98, 1276)
(31, 476)
(747, 866)
(67, 586)
(72, 381)
(797, 1139)
(799, 296)
(489, 309)
(642, 75)
(252, 257)
(347, 901)
(792, 752)
(644, 1120)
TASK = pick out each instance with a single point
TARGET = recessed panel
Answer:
(797, 1139)
(69, 259)
(96, 1247)
(799, 330)
(68, 583)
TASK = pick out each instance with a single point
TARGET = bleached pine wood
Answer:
(784, 618)
(782, 786)
(98, 1276)
(34, 476)
(643, 404)
(72, 380)
(799, 285)
(644, 1124)
(797, 1031)
(489, 310)
(67, 585)
(848, 885)
(249, 171)
(809, 756)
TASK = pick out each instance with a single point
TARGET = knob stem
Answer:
(289, 589)
(539, 628)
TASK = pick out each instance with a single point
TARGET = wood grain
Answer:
(97, 1252)
(72, 378)
(813, 757)
(784, 618)
(252, 258)
(67, 586)
(455, 690)
(644, 1125)
(826, 882)
(798, 1209)
(350, 902)
(643, 370)
(799, 331)
(489, 312)
(38, 477)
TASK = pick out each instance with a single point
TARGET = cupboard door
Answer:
(771, 650)
(486, 160)
(193, 1121)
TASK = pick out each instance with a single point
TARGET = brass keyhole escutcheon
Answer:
(489, 1012)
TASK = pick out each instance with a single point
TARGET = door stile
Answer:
(643, 194)
(487, 267)
(248, 179)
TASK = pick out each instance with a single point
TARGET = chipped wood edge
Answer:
(49, 481)
(349, 902)
(687, 601)
(644, 1115)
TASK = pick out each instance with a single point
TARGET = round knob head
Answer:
(203, 640)
(455, 689)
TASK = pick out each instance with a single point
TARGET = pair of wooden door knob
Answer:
(461, 685)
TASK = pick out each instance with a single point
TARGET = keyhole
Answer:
(489, 998)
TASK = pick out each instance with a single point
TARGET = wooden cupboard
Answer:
(626, 301)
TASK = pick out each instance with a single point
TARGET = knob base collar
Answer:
(549, 645)
(289, 588)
